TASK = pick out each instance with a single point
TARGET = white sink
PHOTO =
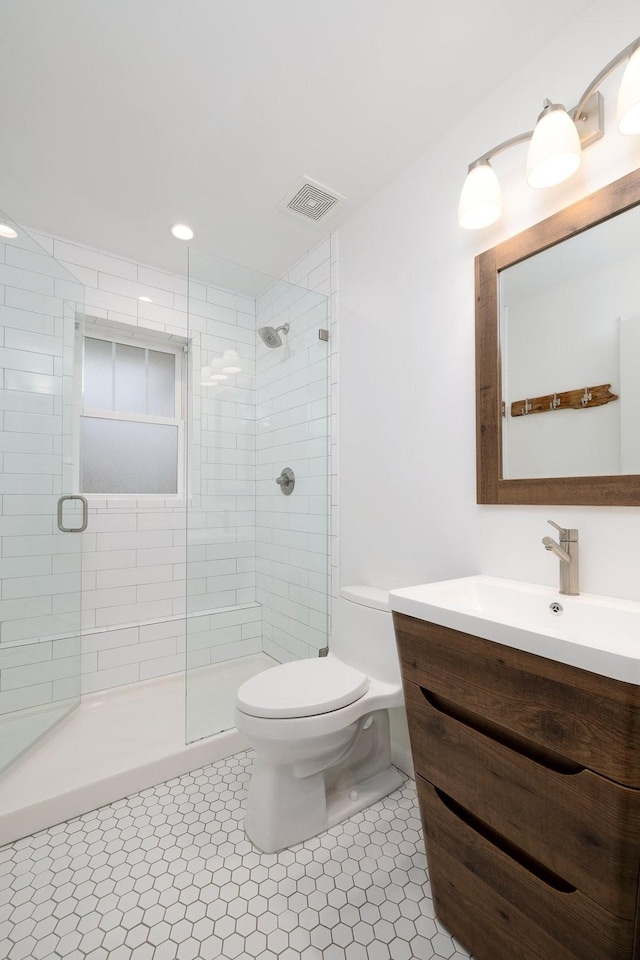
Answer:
(594, 633)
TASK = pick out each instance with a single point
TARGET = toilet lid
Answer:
(303, 688)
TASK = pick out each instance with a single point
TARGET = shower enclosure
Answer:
(221, 417)
(257, 543)
(41, 306)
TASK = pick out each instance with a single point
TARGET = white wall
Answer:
(407, 447)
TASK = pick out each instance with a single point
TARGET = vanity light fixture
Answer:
(628, 113)
(481, 198)
(182, 231)
(7, 232)
(555, 151)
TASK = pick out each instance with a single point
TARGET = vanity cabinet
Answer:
(528, 776)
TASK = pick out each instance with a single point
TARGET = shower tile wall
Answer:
(292, 394)
(134, 550)
(40, 600)
(221, 516)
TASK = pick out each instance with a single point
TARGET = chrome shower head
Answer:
(271, 336)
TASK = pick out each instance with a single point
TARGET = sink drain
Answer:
(556, 608)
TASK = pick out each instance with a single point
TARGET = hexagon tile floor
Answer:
(168, 874)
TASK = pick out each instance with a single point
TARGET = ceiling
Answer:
(121, 117)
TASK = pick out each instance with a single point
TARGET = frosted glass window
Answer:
(161, 384)
(98, 374)
(125, 456)
(130, 379)
(132, 420)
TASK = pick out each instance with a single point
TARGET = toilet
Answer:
(320, 727)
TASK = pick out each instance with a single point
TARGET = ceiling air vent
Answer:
(311, 200)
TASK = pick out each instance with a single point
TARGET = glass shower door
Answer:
(257, 551)
(41, 308)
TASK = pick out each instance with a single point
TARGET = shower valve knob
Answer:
(286, 481)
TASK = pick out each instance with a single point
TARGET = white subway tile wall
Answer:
(221, 515)
(135, 549)
(293, 390)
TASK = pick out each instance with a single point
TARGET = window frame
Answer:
(153, 341)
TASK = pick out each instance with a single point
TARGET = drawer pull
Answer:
(497, 840)
(546, 758)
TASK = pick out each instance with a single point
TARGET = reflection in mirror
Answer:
(570, 322)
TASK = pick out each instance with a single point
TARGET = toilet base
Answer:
(317, 815)
(344, 804)
(291, 802)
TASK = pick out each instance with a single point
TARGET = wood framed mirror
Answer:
(558, 357)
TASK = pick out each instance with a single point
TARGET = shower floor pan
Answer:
(118, 742)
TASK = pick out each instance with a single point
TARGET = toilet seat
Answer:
(302, 688)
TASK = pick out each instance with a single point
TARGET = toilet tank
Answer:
(362, 632)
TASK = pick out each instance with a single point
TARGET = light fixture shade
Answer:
(481, 198)
(628, 113)
(555, 152)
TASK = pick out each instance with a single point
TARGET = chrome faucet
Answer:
(567, 553)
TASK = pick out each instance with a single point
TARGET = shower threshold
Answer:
(117, 742)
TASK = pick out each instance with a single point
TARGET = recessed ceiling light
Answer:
(182, 231)
(145, 299)
(232, 369)
(7, 232)
(219, 376)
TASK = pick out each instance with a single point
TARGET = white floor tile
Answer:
(168, 874)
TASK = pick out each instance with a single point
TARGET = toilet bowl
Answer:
(320, 727)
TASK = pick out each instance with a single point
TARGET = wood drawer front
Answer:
(502, 907)
(580, 825)
(587, 718)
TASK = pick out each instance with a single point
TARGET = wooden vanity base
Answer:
(501, 905)
(528, 776)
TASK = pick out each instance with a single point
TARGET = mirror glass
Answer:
(570, 356)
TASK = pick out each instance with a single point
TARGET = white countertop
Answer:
(599, 634)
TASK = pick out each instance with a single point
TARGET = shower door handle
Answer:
(85, 514)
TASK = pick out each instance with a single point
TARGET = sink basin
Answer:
(599, 634)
